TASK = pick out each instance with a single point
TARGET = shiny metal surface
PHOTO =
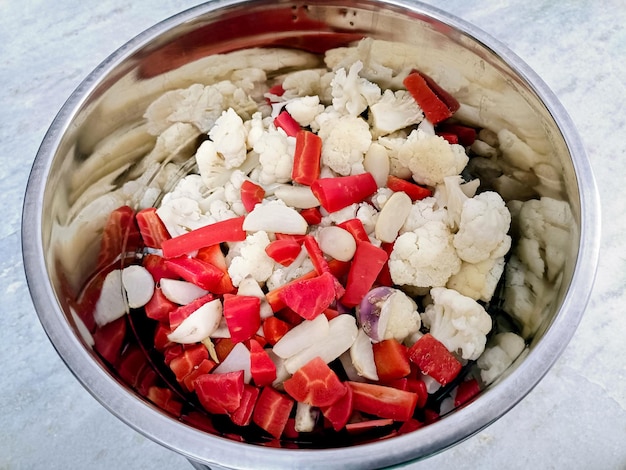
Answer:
(63, 213)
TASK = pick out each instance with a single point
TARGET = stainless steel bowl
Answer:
(501, 91)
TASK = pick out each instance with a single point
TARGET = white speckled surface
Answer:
(575, 418)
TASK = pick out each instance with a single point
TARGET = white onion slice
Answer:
(199, 325)
(139, 285)
(180, 292)
(111, 304)
(362, 355)
(274, 216)
(302, 336)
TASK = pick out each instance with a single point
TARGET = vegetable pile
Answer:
(327, 267)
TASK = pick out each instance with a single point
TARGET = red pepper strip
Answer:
(242, 314)
(367, 263)
(251, 194)
(274, 328)
(289, 316)
(109, 339)
(315, 384)
(205, 367)
(434, 359)
(161, 342)
(356, 229)
(384, 277)
(391, 359)
(466, 391)
(435, 109)
(229, 230)
(310, 297)
(410, 426)
(272, 411)
(336, 193)
(165, 399)
(132, 364)
(283, 251)
(196, 271)
(414, 191)
(450, 101)
(155, 264)
(450, 137)
(120, 235)
(180, 313)
(159, 307)
(191, 357)
(262, 368)
(287, 123)
(306, 158)
(220, 393)
(466, 135)
(277, 90)
(382, 401)
(418, 386)
(151, 227)
(214, 256)
(242, 416)
(361, 427)
(339, 412)
(312, 215)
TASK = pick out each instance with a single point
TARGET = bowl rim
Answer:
(214, 450)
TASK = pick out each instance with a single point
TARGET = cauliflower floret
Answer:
(393, 143)
(229, 136)
(211, 165)
(248, 258)
(483, 228)
(404, 319)
(232, 192)
(424, 257)
(284, 274)
(452, 194)
(424, 211)
(431, 158)
(304, 110)
(459, 322)
(181, 215)
(275, 149)
(351, 93)
(311, 82)
(368, 216)
(500, 353)
(344, 143)
(255, 127)
(478, 280)
(394, 111)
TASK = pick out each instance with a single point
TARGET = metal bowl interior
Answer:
(498, 91)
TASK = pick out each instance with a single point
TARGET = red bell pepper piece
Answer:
(283, 251)
(223, 347)
(262, 368)
(382, 401)
(289, 316)
(229, 230)
(430, 416)
(165, 399)
(449, 136)
(434, 359)
(336, 193)
(465, 135)
(367, 263)
(251, 195)
(196, 271)
(120, 235)
(152, 228)
(148, 378)
(309, 297)
(450, 101)
(466, 390)
(418, 386)
(287, 123)
(132, 364)
(109, 339)
(242, 416)
(220, 393)
(434, 107)
(274, 328)
(392, 360)
(243, 317)
(180, 313)
(315, 384)
(159, 307)
(384, 277)
(155, 264)
(307, 158)
(410, 426)
(213, 255)
(172, 352)
(340, 411)
(205, 367)
(312, 215)
(271, 411)
(191, 357)
(161, 341)
(277, 90)
(414, 191)
(360, 427)
(356, 229)
(320, 264)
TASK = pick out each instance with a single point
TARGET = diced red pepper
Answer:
(418, 386)
(340, 411)
(179, 314)
(465, 135)
(159, 307)
(205, 367)
(449, 137)
(191, 357)
(430, 416)
(339, 192)
(312, 215)
(109, 339)
(220, 393)
(120, 235)
(213, 255)
(148, 378)
(229, 230)
(466, 390)
(223, 347)
(384, 277)
(382, 401)
(434, 359)
(287, 123)
(152, 228)
(309, 297)
(307, 157)
(315, 384)
(360, 427)
(331, 313)
(262, 368)
(356, 229)
(156, 266)
(410, 426)
(196, 271)
(413, 190)
(131, 365)
(165, 399)
(271, 411)
(283, 251)
(435, 109)
(251, 195)
(392, 360)
(243, 317)
(289, 316)
(171, 352)
(277, 90)
(450, 101)
(161, 341)
(367, 263)
(320, 264)
(242, 416)
(274, 328)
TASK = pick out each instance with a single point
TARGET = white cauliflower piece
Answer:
(478, 280)
(424, 211)
(248, 258)
(452, 194)
(305, 109)
(351, 93)
(368, 215)
(393, 143)
(344, 143)
(404, 319)
(394, 111)
(483, 228)
(211, 165)
(275, 149)
(181, 215)
(229, 135)
(502, 350)
(310, 82)
(380, 197)
(459, 322)
(424, 257)
(284, 274)
(255, 127)
(431, 158)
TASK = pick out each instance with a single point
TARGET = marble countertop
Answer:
(575, 418)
